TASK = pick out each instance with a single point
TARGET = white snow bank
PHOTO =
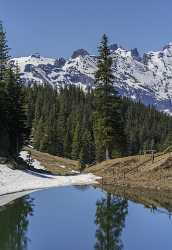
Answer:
(75, 172)
(35, 163)
(12, 181)
(62, 166)
(8, 198)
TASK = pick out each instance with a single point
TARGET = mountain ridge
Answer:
(146, 78)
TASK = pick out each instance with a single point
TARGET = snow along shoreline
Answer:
(14, 181)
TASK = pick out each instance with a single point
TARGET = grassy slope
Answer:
(132, 171)
(55, 164)
(136, 186)
(137, 171)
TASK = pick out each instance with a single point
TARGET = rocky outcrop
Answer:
(147, 79)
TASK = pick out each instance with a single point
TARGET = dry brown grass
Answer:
(54, 163)
(137, 171)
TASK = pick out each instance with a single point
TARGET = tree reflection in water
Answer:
(110, 220)
(14, 223)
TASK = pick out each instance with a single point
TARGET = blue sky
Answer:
(55, 28)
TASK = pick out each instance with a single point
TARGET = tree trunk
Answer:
(107, 154)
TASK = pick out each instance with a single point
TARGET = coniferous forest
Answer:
(13, 131)
(87, 125)
(62, 123)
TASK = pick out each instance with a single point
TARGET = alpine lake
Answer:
(87, 218)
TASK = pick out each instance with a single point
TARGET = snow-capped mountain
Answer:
(147, 78)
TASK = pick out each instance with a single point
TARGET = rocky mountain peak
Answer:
(79, 52)
(36, 55)
(113, 47)
(148, 80)
(60, 62)
(168, 46)
(135, 54)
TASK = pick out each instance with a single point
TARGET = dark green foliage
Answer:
(4, 55)
(168, 141)
(62, 124)
(13, 130)
(108, 127)
(145, 127)
(60, 121)
(15, 115)
(76, 142)
(87, 152)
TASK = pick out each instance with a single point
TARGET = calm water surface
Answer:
(82, 219)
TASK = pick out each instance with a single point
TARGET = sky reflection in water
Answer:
(82, 219)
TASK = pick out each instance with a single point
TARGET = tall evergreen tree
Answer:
(68, 139)
(76, 144)
(4, 52)
(108, 124)
(12, 116)
(16, 115)
(87, 152)
(4, 136)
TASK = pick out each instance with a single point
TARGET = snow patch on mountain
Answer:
(147, 78)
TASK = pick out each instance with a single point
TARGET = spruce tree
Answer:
(4, 52)
(68, 139)
(108, 127)
(16, 114)
(4, 135)
(87, 153)
(76, 142)
(12, 115)
(11, 112)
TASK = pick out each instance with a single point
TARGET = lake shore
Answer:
(139, 171)
(14, 181)
(152, 199)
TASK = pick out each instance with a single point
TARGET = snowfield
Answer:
(14, 181)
